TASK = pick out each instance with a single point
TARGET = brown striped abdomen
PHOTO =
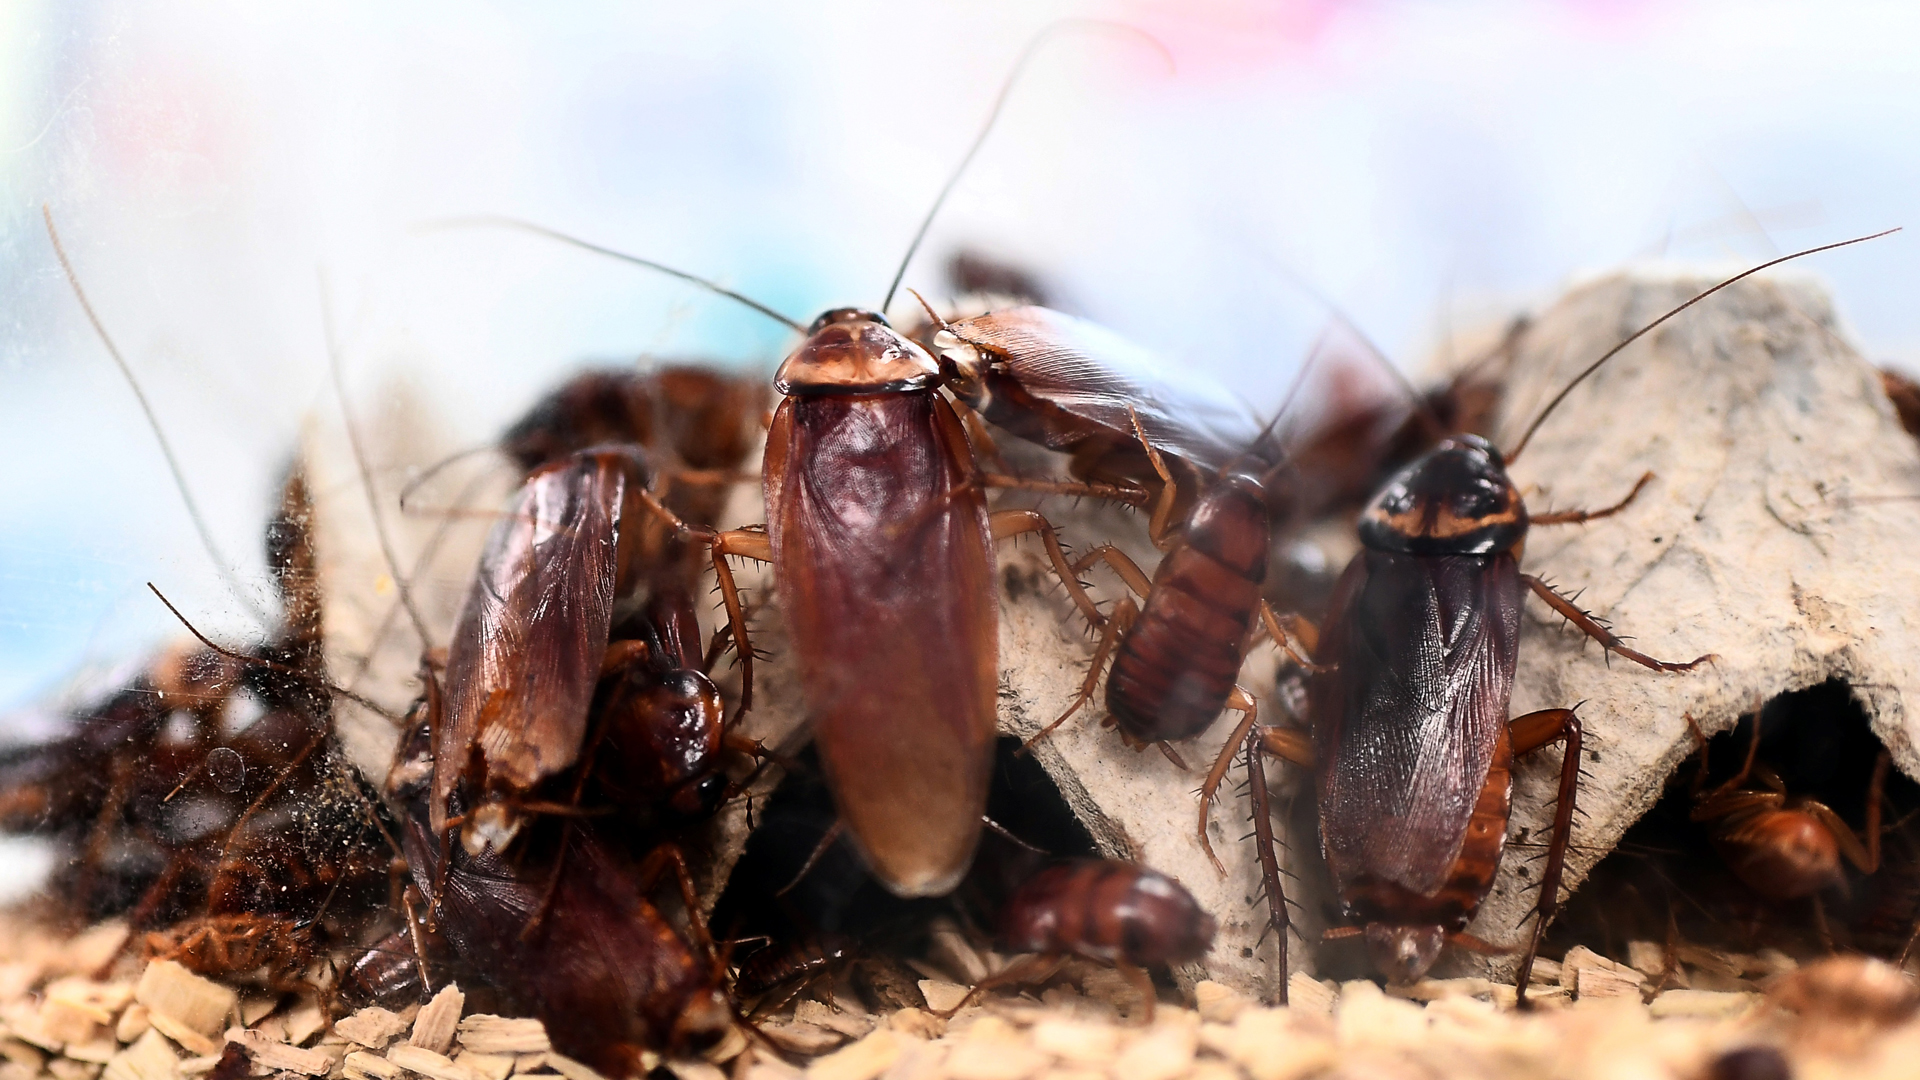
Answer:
(1468, 880)
(1106, 910)
(1173, 671)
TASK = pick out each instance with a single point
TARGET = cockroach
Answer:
(660, 742)
(1105, 910)
(565, 931)
(527, 650)
(1784, 847)
(792, 964)
(1840, 1001)
(226, 946)
(1411, 747)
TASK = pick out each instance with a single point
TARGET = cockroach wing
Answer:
(885, 572)
(1095, 374)
(1405, 729)
(526, 653)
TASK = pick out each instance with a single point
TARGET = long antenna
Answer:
(503, 222)
(220, 563)
(1643, 331)
(999, 102)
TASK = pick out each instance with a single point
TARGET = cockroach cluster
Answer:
(576, 738)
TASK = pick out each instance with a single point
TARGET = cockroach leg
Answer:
(1577, 517)
(1036, 967)
(1124, 613)
(1160, 526)
(1263, 845)
(1608, 640)
(1529, 733)
(1121, 564)
(1249, 711)
(1120, 493)
(750, 545)
(1290, 628)
(1008, 523)
(409, 899)
(669, 856)
(1288, 744)
(979, 436)
(813, 858)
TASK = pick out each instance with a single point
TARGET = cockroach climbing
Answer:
(1410, 743)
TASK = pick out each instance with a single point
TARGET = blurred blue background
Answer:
(1425, 165)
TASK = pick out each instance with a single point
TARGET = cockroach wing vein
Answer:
(527, 651)
(1409, 723)
(1093, 373)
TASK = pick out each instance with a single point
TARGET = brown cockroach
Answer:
(660, 744)
(791, 964)
(225, 946)
(1781, 846)
(1105, 910)
(565, 931)
(1411, 746)
(527, 651)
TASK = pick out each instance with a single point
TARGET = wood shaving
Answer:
(434, 1028)
(483, 1033)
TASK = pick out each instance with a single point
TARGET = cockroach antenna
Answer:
(499, 221)
(220, 563)
(1527, 436)
(993, 115)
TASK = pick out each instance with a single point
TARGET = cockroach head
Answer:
(1457, 500)
(703, 1023)
(853, 351)
(1404, 953)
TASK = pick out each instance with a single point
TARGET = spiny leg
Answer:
(1289, 628)
(1263, 846)
(1249, 710)
(1864, 857)
(1124, 614)
(1529, 733)
(1608, 640)
(1160, 526)
(1576, 517)
(1121, 564)
(1008, 523)
(1132, 496)
(750, 545)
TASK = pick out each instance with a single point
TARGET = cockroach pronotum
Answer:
(883, 552)
(1410, 745)
(1102, 909)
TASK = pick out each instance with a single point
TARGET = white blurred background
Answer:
(1426, 165)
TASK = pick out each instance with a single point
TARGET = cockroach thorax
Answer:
(851, 351)
(1457, 500)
